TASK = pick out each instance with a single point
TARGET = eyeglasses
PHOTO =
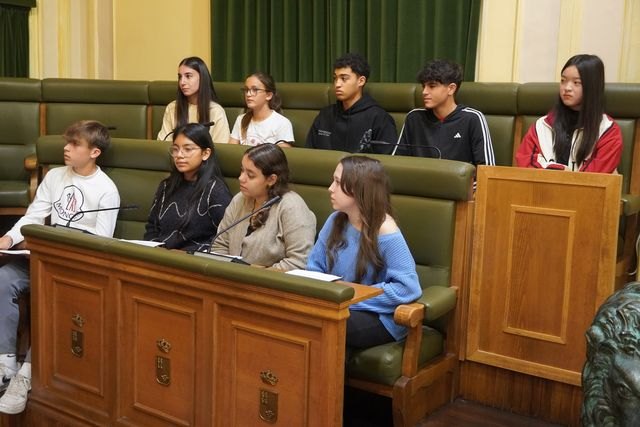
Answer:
(252, 91)
(187, 150)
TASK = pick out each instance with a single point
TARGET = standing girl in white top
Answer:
(261, 122)
(196, 102)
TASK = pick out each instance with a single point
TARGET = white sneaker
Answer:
(14, 399)
(8, 369)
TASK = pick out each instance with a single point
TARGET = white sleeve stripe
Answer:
(486, 136)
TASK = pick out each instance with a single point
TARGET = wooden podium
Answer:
(544, 258)
(129, 335)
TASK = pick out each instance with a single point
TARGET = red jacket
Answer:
(536, 149)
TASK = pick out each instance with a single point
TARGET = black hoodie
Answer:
(353, 130)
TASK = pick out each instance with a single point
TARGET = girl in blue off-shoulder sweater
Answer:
(362, 243)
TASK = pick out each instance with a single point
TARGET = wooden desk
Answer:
(126, 335)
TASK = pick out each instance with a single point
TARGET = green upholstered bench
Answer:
(118, 104)
(19, 119)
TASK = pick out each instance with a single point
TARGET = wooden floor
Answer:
(468, 414)
(367, 410)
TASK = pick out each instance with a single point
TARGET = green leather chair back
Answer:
(498, 102)
(19, 116)
(120, 104)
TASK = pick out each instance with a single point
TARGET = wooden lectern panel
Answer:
(77, 334)
(543, 261)
(123, 340)
(162, 360)
(268, 365)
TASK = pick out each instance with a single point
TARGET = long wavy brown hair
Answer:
(364, 179)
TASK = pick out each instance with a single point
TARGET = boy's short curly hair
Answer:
(441, 71)
(356, 62)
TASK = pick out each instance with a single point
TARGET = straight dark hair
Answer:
(364, 179)
(275, 103)
(206, 93)
(591, 70)
(208, 171)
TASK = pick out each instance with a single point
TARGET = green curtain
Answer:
(298, 40)
(14, 41)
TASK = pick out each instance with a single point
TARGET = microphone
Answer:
(367, 145)
(80, 212)
(223, 257)
(266, 205)
(207, 125)
(430, 147)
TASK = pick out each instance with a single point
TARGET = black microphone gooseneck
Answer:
(207, 125)
(126, 207)
(266, 205)
(369, 144)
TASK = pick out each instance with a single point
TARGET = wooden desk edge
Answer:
(362, 292)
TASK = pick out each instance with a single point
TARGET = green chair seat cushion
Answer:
(14, 194)
(383, 364)
(631, 204)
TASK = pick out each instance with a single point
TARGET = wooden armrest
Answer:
(412, 316)
(31, 162)
(409, 315)
(31, 165)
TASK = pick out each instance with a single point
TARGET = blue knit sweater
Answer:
(398, 278)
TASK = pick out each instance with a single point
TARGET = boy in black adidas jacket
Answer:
(444, 129)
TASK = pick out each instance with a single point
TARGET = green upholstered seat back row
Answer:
(119, 104)
(425, 212)
(135, 108)
(302, 101)
(19, 118)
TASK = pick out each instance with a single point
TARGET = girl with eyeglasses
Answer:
(262, 121)
(280, 236)
(196, 102)
(576, 135)
(190, 203)
(362, 243)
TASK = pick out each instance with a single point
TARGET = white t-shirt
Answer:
(62, 193)
(273, 129)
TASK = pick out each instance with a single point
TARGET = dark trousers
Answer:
(364, 330)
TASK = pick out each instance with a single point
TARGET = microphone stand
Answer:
(224, 257)
(80, 212)
(365, 145)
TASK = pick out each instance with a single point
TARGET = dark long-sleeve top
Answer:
(167, 213)
(362, 128)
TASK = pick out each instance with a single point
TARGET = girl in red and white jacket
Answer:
(576, 135)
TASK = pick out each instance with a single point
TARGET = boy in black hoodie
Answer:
(355, 123)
